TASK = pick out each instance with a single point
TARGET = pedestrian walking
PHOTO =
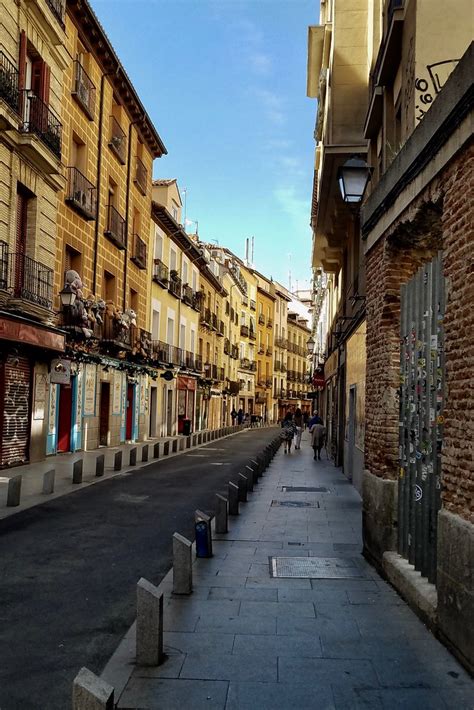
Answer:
(233, 416)
(288, 432)
(298, 420)
(315, 419)
(305, 420)
(240, 416)
(318, 437)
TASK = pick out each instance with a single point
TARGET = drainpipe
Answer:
(127, 207)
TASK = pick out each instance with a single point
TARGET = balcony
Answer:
(141, 176)
(166, 354)
(261, 319)
(139, 252)
(84, 90)
(187, 295)
(206, 317)
(246, 364)
(175, 284)
(227, 346)
(118, 140)
(3, 266)
(277, 366)
(269, 350)
(115, 227)
(244, 331)
(220, 374)
(234, 352)
(220, 328)
(261, 350)
(9, 91)
(27, 279)
(253, 305)
(39, 120)
(160, 273)
(210, 371)
(213, 322)
(252, 334)
(245, 301)
(269, 322)
(281, 343)
(81, 194)
(198, 300)
(58, 8)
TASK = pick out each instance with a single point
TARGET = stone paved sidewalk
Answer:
(247, 640)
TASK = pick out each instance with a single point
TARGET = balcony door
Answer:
(20, 247)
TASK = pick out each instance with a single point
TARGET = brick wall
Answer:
(458, 259)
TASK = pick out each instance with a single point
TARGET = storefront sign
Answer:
(40, 389)
(318, 376)
(79, 380)
(186, 383)
(52, 411)
(30, 334)
(60, 372)
(89, 390)
(117, 398)
(142, 395)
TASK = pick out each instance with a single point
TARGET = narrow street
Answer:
(69, 568)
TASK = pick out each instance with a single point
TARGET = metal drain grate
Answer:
(302, 489)
(314, 567)
(295, 504)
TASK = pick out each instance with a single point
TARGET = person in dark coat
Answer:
(240, 416)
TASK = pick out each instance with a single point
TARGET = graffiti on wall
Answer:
(16, 410)
(428, 86)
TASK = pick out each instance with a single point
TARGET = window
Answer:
(172, 259)
(134, 300)
(185, 271)
(158, 244)
(72, 259)
(155, 325)
(194, 280)
(170, 331)
(193, 341)
(113, 193)
(182, 336)
(108, 287)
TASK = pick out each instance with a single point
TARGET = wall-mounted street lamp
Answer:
(310, 345)
(353, 177)
(67, 296)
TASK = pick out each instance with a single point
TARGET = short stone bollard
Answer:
(156, 450)
(14, 491)
(188, 442)
(202, 527)
(77, 471)
(117, 461)
(145, 451)
(133, 456)
(48, 482)
(166, 448)
(182, 565)
(242, 483)
(175, 446)
(233, 490)
(89, 692)
(182, 443)
(221, 519)
(257, 466)
(100, 465)
(250, 477)
(149, 642)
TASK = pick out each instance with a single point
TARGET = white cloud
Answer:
(272, 105)
(296, 207)
(260, 63)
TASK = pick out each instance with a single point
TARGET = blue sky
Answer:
(224, 82)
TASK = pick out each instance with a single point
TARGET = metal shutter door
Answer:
(16, 411)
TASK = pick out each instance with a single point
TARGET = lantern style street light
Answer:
(353, 177)
(67, 296)
(310, 345)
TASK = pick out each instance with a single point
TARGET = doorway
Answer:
(130, 408)
(104, 414)
(169, 413)
(65, 417)
(351, 432)
(153, 411)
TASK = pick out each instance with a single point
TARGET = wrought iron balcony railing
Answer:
(81, 194)
(205, 318)
(139, 252)
(269, 350)
(115, 229)
(220, 328)
(9, 83)
(141, 176)
(30, 280)
(58, 8)
(84, 90)
(174, 285)
(247, 364)
(234, 352)
(160, 273)
(244, 331)
(41, 121)
(187, 295)
(252, 334)
(3, 266)
(118, 140)
(227, 346)
(253, 305)
(261, 319)
(114, 332)
(213, 321)
(269, 322)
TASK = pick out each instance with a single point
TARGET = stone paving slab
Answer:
(247, 641)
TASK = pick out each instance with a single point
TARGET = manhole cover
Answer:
(294, 504)
(302, 489)
(314, 567)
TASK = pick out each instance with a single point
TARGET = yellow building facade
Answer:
(265, 316)
(33, 56)
(103, 250)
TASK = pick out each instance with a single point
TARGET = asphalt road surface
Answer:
(69, 568)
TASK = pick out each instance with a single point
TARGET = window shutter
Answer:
(45, 83)
(22, 61)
